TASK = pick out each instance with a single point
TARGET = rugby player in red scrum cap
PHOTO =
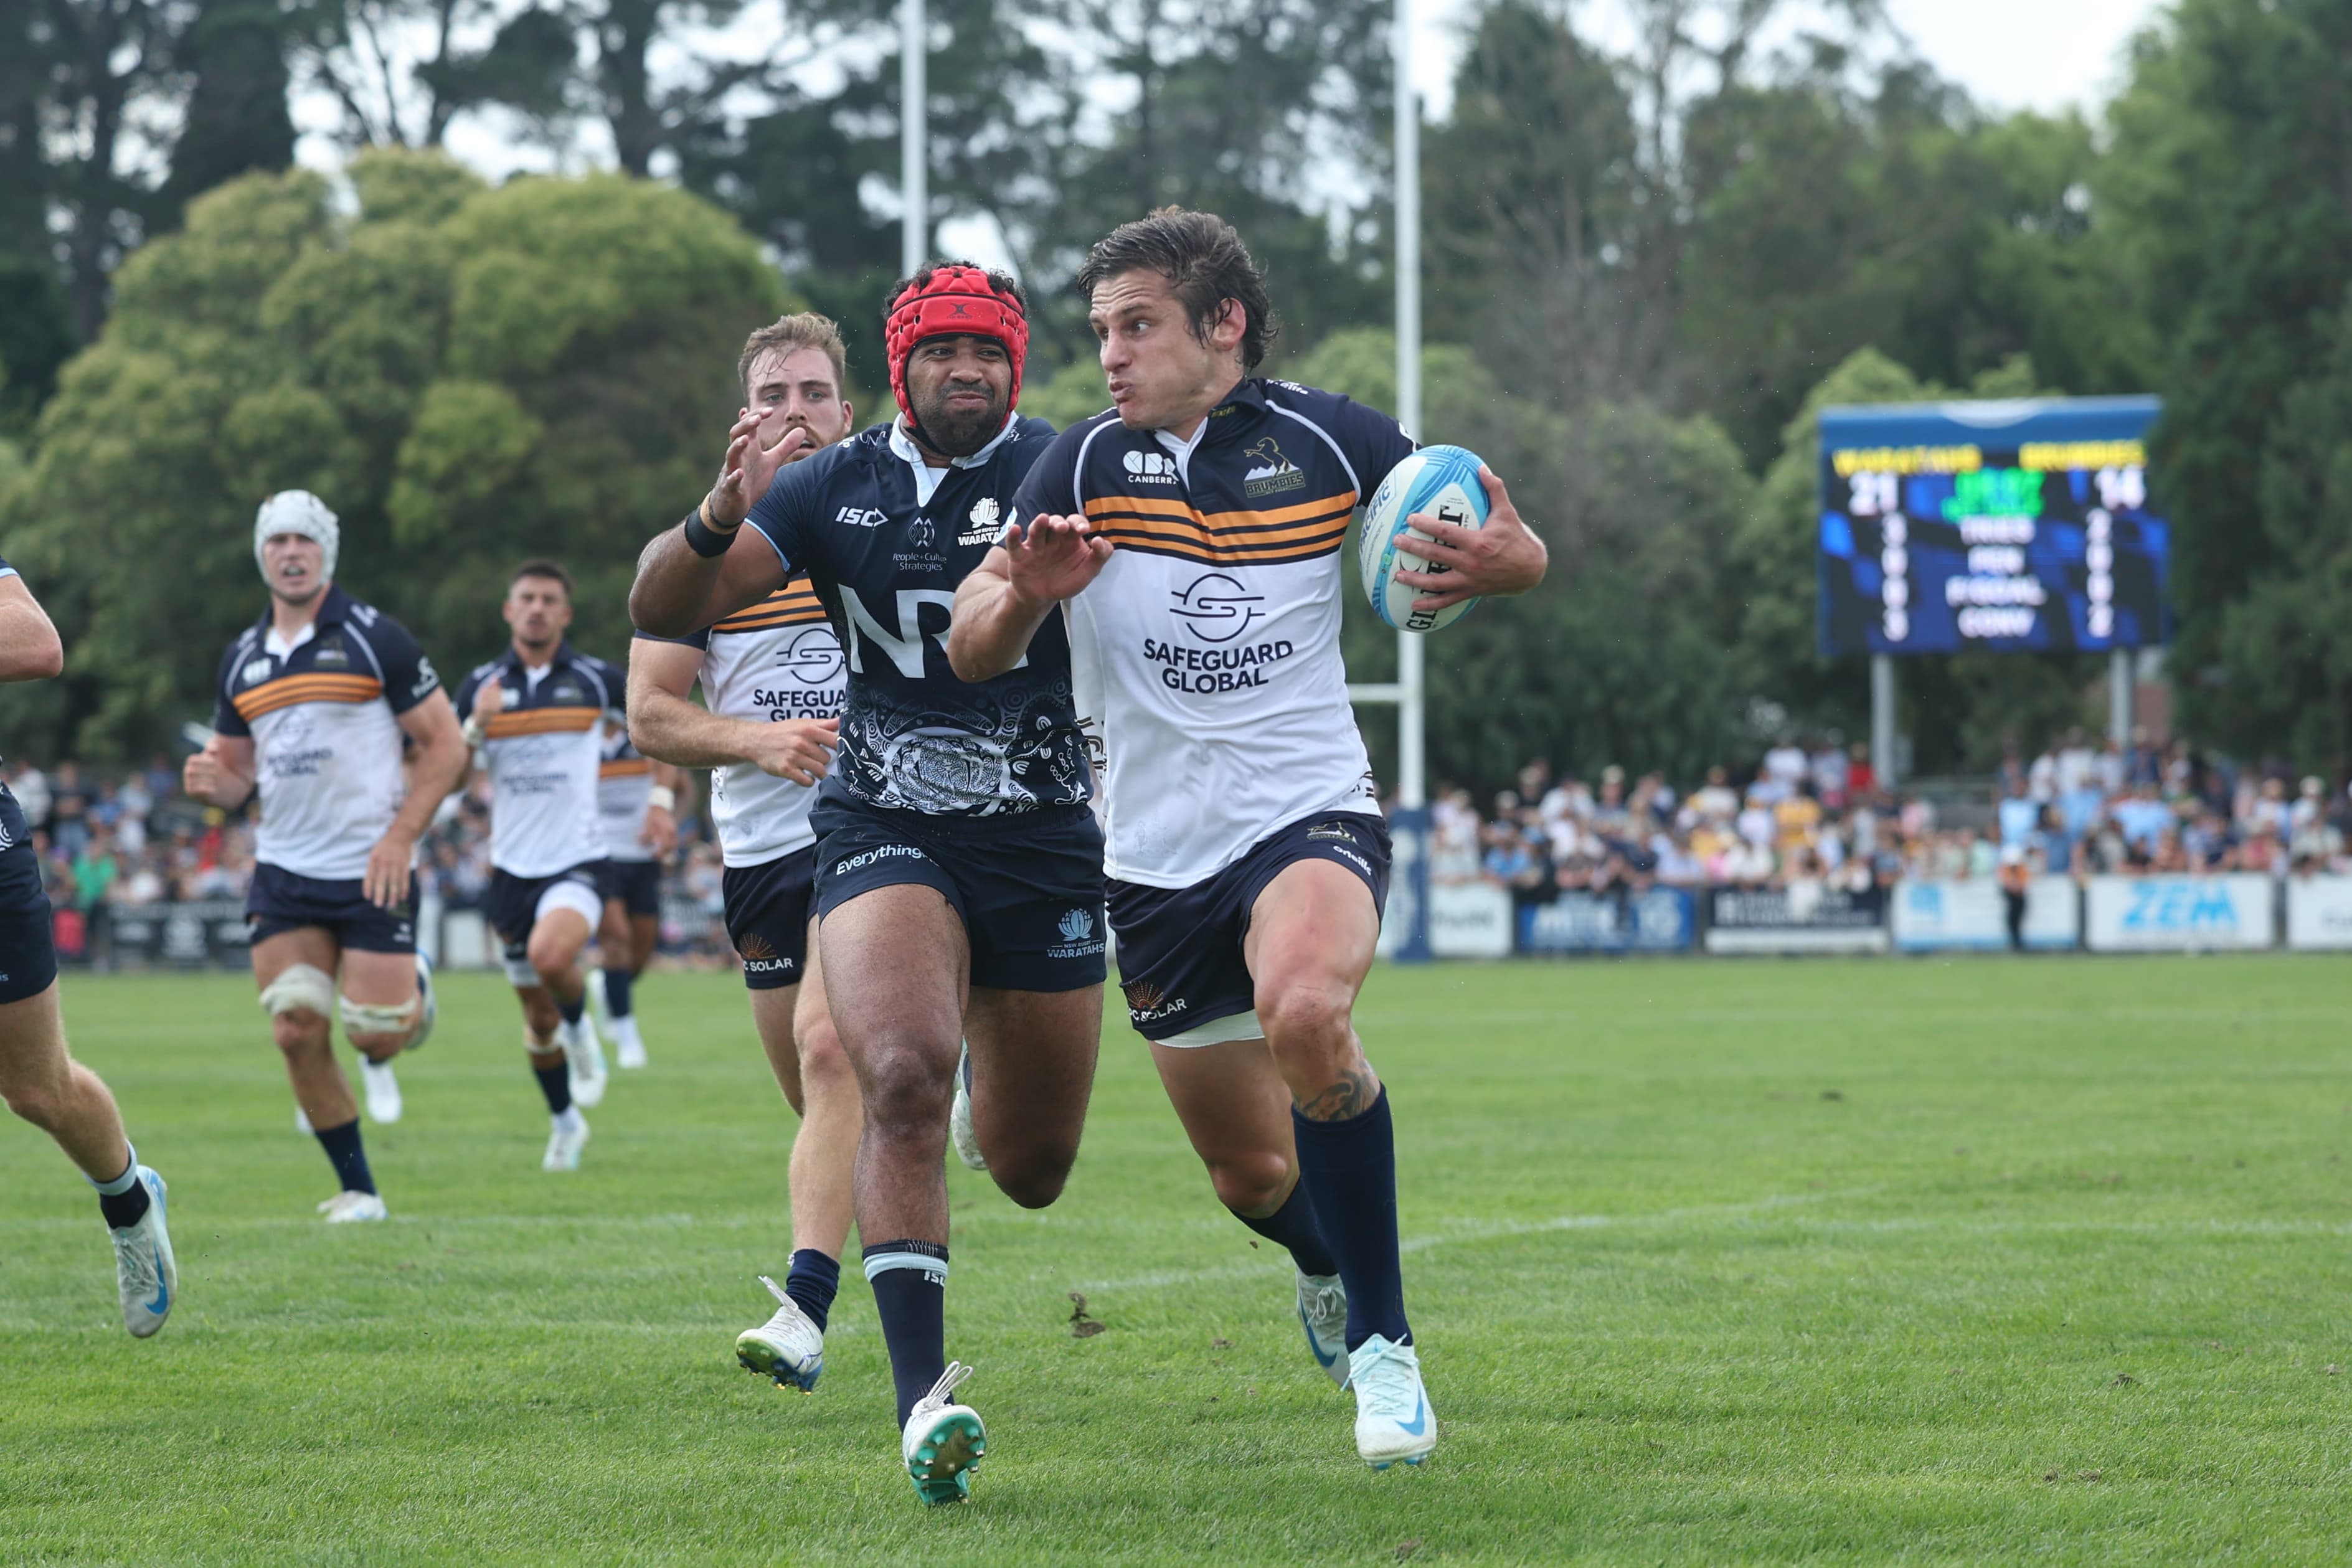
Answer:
(958, 866)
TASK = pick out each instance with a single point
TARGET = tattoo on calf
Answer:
(1352, 1095)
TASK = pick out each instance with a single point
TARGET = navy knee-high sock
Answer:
(1292, 1226)
(344, 1152)
(910, 1295)
(811, 1283)
(617, 1002)
(571, 1010)
(555, 1083)
(1348, 1170)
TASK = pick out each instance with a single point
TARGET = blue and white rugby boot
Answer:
(943, 1441)
(788, 1347)
(1323, 1314)
(144, 1267)
(959, 1129)
(1393, 1420)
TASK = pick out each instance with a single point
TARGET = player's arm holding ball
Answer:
(1504, 557)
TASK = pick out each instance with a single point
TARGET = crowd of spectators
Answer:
(1815, 814)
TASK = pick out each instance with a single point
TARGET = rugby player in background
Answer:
(314, 701)
(1190, 537)
(958, 872)
(38, 1077)
(538, 713)
(771, 682)
(637, 807)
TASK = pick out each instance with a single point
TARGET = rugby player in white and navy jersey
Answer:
(636, 811)
(1191, 537)
(958, 872)
(537, 714)
(772, 678)
(38, 1077)
(314, 702)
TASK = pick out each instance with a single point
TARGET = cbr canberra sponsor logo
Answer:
(1211, 669)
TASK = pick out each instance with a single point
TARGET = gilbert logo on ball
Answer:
(1437, 481)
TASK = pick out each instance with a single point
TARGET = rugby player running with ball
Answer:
(958, 873)
(1189, 539)
(38, 1077)
(772, 683)
(313, 702)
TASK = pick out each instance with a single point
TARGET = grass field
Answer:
(1710, 1262)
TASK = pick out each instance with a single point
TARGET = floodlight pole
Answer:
(1882, 719)
(1412, 781)
(914, 135)
(2120, 681)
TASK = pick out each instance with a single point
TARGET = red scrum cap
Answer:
(955, 299)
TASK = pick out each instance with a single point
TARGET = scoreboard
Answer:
(2010, 526)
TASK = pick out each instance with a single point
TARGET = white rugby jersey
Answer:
(1206, 656)
(545, 750)
(322, 713)
(625, 792)
(778, 659)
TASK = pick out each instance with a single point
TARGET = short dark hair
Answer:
(1206, 264)
(1002, 283)
(541, 567)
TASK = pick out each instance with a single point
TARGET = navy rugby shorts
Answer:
(1180, 949)
(516, 903)
(768, 917)
(279, 901)
(1027, 885)
(637, 883)
(28, 953)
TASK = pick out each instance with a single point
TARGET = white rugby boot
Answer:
(1323, 1314)
(943, 1441)
(628, 1046)
(353, 1208)
(144, 1272)
(1393, 1421)
(585, 1053)
(567, 1135)
(959, 1129)
(382, 1086)
(428, 1006)
(788, 1347)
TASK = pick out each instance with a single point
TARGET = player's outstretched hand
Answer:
(800, 750)
(385, 882)
(749, 468)
(1054, 558)
(1502, 558)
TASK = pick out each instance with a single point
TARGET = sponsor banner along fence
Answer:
(1932, 916)
(2319, 912)
(1657, 920)
(2151, 914)
(1796, 919)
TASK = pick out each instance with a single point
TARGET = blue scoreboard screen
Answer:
(2010, 526)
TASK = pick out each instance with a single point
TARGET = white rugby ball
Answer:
(1437, 481)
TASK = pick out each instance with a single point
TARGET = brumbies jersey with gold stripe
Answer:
(886, 551)
(322, 714)
(625, 789)
(545, 748)
(1207, 650)
(776, 661)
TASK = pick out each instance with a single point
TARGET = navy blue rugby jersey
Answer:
(886, 564)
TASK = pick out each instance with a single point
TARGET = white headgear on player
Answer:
(297, 511)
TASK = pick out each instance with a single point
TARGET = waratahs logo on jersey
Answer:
(986, 524)
(1078, 938)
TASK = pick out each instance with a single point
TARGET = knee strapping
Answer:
(378, 1018)
(301, 988)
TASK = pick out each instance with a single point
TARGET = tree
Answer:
(1623, 654)
(468, 377)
